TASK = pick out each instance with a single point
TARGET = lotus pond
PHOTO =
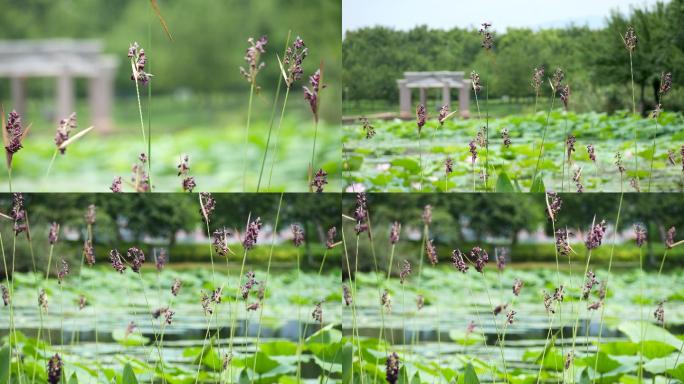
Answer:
(109, 334)
(396, 160)
(455, 337)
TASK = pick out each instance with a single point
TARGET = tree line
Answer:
(209, 37)
(595, 61)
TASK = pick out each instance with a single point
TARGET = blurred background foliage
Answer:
(210, 38)
(513, 221)
(199, 98)
(151, 221)
(595, 61)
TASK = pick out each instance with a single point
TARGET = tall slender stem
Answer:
(559, 285)
(636, 138)
(486, 171)
(268, 272)
(272, 119)
(353, 288)
(610, 264)
(233, 314)
(52, 161)
(313, 153)
(245, 151)
(149, 111)
(541, 147)
(146, 144)
(11, 308)
(149, 308)
(496, 327)
(577, 316)
(274, 158)
(641, 315)
(655, 134)
(299, 315)
(565, 135)
(9, 180)
(420, 162)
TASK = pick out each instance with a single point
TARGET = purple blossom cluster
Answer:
(311, 94)
(297, 235)
(458, 261)
(595, 235)
(15, 133)
(252, 234)
(138, 62)
(395, 231)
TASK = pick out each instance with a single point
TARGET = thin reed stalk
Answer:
(246, 143)
(636, 137)
(299, 315)
(272, 119)
(496, 326)
(233, 314)
(610, 264)
(11, 310)
(481, 325)
(146, 144)
(486, 170)
(313, 154)
(541, 147)
(420, 161)
(268, 272)
(353, 288)
(277, 139)
(47, 275)
(565, 135)
(149, 311)
(577, 315)
(641, 316)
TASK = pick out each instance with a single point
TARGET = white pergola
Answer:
(65, 60)
(444, 80)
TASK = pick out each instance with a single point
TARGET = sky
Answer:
(446, 14)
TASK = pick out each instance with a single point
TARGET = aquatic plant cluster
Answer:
(527, 285)
(490, 302)
(536, 175)
(15, 132)
(231, 302)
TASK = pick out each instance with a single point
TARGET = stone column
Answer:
(446, 95)
(101, 96)
(464, 100)
(64, 96)
(404, 97)
(18, 85)
(423, 96)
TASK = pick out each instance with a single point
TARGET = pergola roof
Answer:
(53, 57)
(433, 79)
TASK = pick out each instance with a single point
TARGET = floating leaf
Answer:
(410, 165)
(4, 363)
(73, 379)
(465, 338)
(347, 358)
(279, 348)
(128, 376)
(470, 377)
(325, 335)
(538, 185)
(604, 364)
(633, 330)
(504, 184)
(135, 339)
